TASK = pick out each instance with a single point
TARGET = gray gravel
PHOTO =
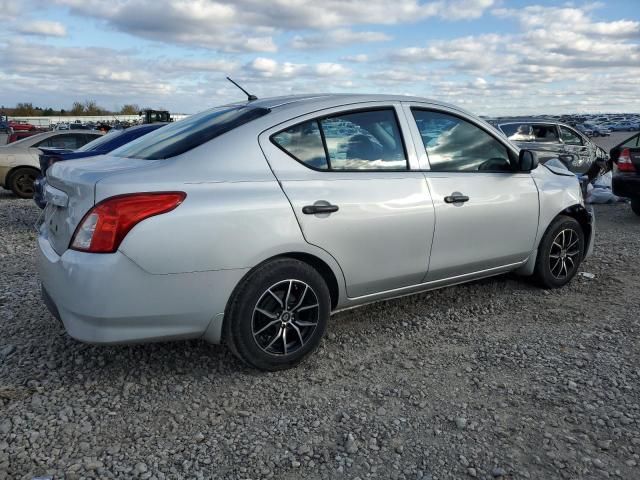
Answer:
(493, 379)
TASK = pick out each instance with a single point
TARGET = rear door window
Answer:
(368, 140)
(361, 140)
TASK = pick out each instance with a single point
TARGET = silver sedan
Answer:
(251, 223)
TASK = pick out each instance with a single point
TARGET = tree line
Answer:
(88, 107)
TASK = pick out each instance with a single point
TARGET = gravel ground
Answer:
(493, 379)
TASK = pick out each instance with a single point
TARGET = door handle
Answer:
(314, 209)
(456, 198)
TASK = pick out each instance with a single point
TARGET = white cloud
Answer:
(336, 38)
(360, 58)
(43, 28)
(226, 25)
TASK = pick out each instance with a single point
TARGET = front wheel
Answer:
(277, 315)
(635, 205)
(560, 253)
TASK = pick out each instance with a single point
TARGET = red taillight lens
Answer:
(104, 227)
(624, 161)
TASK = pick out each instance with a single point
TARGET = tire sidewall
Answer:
(544, 269)
(240, 315)
(13, 179)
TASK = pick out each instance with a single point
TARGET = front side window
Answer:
(570, 137)
(68, 142)
(455, 145)
(195, 130)
(365, 140)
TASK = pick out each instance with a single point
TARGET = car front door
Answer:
(347, 174)
(486, 211)
(579, 147)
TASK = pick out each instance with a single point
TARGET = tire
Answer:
(257, 327)
(596, 134)
(21, 181)
(635, 205)
(560, 253)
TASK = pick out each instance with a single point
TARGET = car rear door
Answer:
(347, 174)
(486, 212)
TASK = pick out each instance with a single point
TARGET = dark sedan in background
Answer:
(626, 178)
(100, 146)
(557, 140)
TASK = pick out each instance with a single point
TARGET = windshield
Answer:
(98, 142)
(193, 131)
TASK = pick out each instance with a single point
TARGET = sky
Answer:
(492, 57)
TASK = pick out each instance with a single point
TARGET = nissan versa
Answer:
(250, 223)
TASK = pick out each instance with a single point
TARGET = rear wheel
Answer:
(560, 253)
(635, 205)
(21, 182)
(278, 315)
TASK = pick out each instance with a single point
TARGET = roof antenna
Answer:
(250, 97)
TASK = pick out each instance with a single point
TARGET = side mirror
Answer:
(527, 160)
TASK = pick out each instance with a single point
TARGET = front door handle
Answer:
(314, 209)
(456, 198)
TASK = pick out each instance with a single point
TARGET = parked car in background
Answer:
(19, 164)
(250, 223)
(20, 126)
(556, 140)
(15, 136)
(626, 177)
(600, 131)
(100, 146)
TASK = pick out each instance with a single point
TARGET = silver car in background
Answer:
(250, 223)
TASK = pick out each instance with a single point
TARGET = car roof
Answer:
(328, 100)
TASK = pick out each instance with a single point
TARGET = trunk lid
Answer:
(70, 193)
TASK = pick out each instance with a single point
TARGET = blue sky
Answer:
(489, 56)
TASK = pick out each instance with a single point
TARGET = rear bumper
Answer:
(107, 298)
(626, 185)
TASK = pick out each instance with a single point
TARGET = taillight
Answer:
(624, 162)
(104, 227)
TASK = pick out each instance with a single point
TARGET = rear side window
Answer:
(304, 143)
(632, 142)
(180, 137)
(364, 140)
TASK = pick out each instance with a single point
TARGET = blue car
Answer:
(100, 146)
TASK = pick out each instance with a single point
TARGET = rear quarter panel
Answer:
(235, 214)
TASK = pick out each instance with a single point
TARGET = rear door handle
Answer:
(313, 209)
(456, 198)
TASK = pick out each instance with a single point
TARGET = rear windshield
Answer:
(193, 131)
